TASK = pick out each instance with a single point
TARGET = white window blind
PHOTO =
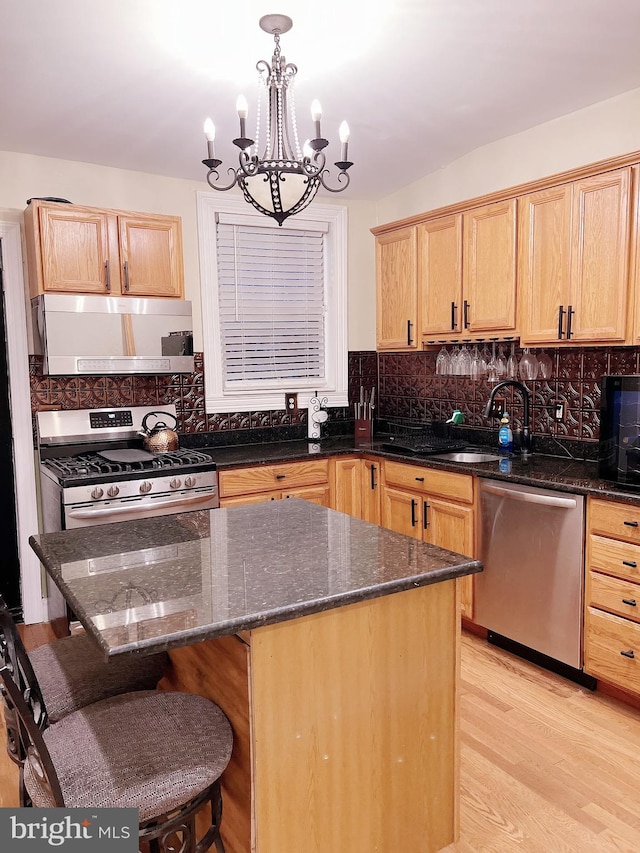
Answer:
(274, 305)
(271, 297)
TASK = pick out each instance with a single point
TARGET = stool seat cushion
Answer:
(73, 673)
(151, 750)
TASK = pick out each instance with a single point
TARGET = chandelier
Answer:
(279, 178)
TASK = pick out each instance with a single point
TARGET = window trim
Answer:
(334, 388)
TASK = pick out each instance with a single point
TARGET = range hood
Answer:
(81, 334)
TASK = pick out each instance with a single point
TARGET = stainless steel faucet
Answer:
(524, 391)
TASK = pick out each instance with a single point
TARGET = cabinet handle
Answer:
(280, 476)
(107, 276)
(373, 476)
(465, 314)
(413, 512)
(631, 523)
(425, 517)
(419, 479)
(561, 313)
(127, 282)
(631, 563)
(628, 654)
(630, 601)
(454, 311)
(409, 336)
(570, 313)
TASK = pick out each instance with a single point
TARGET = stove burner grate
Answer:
(92, 463)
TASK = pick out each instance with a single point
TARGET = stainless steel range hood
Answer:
(112, 335)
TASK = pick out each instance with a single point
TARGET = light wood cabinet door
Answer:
(599, 269)
(489, 268)
(75, 250)
(440, 275)
(544, 263)
(370, 490)
(451, 526)
(347, 486)
(151, 256)
(397, 290)
(401, 512)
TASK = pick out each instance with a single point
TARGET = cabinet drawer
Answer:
(613, 557)
(606, 637)
(445, 483)
(265, 477)
(620, 521)
(616, 596)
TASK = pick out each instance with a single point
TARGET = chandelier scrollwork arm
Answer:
(214, 184)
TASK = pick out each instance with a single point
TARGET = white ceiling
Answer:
(128, 83)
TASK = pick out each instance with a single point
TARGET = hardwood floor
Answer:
(546, 766)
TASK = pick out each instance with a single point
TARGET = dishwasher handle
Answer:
(531, 497)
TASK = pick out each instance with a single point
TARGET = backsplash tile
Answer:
(406, 386)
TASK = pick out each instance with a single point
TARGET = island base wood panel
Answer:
(353, 726)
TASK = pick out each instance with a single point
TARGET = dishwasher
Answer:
(531, 589)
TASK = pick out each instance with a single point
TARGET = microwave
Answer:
(619, 448)
(82, 334)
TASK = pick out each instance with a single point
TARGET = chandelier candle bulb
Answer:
(210, 133)
(316, 115)
(242, 108)
(343, 132)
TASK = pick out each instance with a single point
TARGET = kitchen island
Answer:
(332, 645)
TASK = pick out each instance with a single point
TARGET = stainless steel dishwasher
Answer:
(531, 589)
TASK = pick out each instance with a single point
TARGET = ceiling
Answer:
(128, 83)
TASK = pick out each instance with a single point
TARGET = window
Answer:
(274, 305)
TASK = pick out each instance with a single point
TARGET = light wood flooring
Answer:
(546, 766)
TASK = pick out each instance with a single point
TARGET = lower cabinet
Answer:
(435, 506)
(356, 487)
(308, 480)
(612, 594)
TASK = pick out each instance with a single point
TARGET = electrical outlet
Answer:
(290, 401)
(499, 407)
(558, 412)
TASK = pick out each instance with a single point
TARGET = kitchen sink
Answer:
(467, 456)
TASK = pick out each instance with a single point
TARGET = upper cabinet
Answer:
(73, 249)
(447, 276)
(573, 271)
(397, 290)
(489, 268)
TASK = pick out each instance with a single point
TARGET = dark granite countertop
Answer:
(158, 583)
(555, 472)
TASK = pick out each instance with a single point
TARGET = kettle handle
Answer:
(165, 414)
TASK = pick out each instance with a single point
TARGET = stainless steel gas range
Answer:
(93, 470)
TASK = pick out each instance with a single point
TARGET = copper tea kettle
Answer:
(160, 438)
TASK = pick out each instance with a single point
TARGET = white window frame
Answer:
(335, 385)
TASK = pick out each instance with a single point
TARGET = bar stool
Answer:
(71, 673)
(160, 752)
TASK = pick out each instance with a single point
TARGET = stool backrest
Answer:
(33, 745)
(14, 656)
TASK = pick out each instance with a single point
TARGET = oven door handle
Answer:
(132, 510)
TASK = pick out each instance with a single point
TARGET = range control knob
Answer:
(175, 483)
(112, 491)
(145, 487)
(97, 493)
(189, 482)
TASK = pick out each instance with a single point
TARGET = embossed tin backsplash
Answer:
(407, 387)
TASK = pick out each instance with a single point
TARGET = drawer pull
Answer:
(280, 476)
(419, 479)
(631, 563)
(631, 523)
(628, 654)
(630, 601)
